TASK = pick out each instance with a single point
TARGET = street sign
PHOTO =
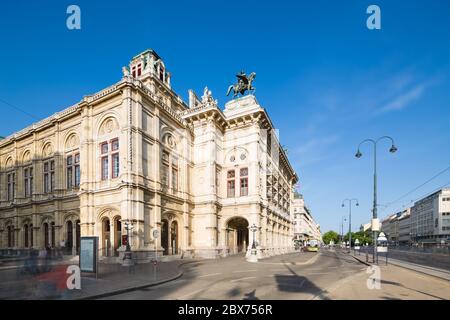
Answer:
(381, 237)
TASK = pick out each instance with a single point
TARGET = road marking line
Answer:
(236, 280)
(189, 294)
(209, 275)
(317, 273)
(245, 271)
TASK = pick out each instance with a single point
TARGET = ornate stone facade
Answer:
(136, 154)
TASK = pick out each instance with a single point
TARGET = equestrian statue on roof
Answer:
(245, 83)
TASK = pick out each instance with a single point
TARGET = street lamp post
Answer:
(127, 258)
(342, 228)
(253, 253)
(350, 218)
(358, 154)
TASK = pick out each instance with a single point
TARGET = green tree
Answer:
(363, 237)
(330, 236)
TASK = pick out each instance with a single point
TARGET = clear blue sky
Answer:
(325, 79)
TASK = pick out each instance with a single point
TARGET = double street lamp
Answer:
(342, 228)
(253, 252)
(350, 218)
(358, 155)
(127, 258)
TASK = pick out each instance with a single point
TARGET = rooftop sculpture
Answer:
(244, 84)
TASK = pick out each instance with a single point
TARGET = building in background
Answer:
(396, 227)
(390, 228)
(305, 227)
(430, 219)
(136, 154)
(404, 228)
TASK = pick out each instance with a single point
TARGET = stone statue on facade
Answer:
(245, 83)
(125, 71)
(207, 98)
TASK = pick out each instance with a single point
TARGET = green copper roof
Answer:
(147, 51)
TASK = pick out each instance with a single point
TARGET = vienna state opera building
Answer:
(181, 179)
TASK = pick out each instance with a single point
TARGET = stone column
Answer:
(112, 236)
(74, 238)
(49, 235)
(169, 237)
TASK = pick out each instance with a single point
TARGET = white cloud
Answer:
(405, 99)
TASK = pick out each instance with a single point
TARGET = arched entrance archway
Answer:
(165, 236)
(174, 237)
(237, 235)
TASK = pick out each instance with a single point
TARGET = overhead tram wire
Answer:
(416, 188)
(424, 195)
(19, 109)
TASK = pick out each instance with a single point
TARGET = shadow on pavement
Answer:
(300, 284)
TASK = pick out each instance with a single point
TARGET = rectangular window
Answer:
(49, 176)
(105, 164)
(139, 70)
(244, 187)
(231, 184)
(115, 145)
(115, 158)
(11, 186)
(77, 176)
(52, 176)
(174, 179)
(161, 73)
(165, 175)
(77, 170)
(231, 189)
(244, 182)
(104, 148)
(69, 172)
(31, 181)
(115, 165)
(26, 182)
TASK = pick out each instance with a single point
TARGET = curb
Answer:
(130, 289)
(361, 261)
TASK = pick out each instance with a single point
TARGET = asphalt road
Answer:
(293, 276)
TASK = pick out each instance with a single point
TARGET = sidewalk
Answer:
(112, 279)
(439, 273)
(396, 284)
